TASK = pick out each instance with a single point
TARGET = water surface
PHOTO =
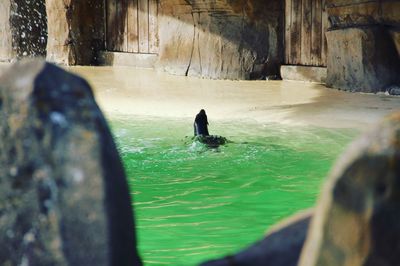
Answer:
(194, 204)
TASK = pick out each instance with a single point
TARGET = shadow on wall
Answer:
(86, 36)
(224, 39)
(215, 39)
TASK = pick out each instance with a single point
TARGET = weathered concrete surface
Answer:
(63, 194)
(281, 247)
(127, 59)
(304, 73)
(23, 31)
(5, 31)
(75, 30)
(350, 13)
(223, 39)
(363, 44)
(356, 221)
(362, 59)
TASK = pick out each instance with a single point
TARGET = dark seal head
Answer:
(201, 124)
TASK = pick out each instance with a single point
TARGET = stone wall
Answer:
(216, 39)
(363, 45)
(221, 39)
(76, 31)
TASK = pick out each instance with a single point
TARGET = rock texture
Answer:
(362, 59)
(221, 39)
(76, 31)
(64, 199)
(363, 44)
(356, 221)
(281, 247)
(23, 29)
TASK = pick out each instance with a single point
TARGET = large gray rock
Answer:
(356, 221)
(64, 199)
(363, 59)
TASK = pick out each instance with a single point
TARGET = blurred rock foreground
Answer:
(64, 199)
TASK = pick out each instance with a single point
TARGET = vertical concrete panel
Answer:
(221, 39)
(58, 32)
(5, 31)
(76, 31)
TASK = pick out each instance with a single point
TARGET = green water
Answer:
(194, 204)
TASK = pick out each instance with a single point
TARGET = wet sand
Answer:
(144, 92)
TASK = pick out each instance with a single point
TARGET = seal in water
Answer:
(201, 124)
(212, 141)
(201, 131)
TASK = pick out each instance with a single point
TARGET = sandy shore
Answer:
(130, 91)
(143, 92)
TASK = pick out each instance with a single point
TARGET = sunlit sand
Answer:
(131, 91)
(145, 92)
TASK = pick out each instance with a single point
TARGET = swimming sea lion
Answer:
(201, 124)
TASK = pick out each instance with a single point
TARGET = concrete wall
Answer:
(76, 31)
(5, 31)
(215, 39)
(221, 39)
(363, 45)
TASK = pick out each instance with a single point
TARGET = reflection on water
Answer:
(194, 204)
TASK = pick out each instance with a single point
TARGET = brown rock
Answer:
(357, 217)
(5, 31)
(63, 194)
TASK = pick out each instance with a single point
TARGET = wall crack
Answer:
(193, 42)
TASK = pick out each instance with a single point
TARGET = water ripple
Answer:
(193, 204)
